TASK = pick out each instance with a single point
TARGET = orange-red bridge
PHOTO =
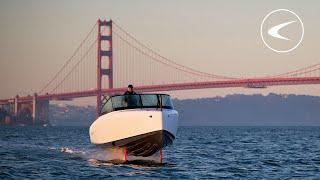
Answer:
(109, 58)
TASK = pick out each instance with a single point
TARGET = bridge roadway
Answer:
(248, 83)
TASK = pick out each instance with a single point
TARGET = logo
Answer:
(282, 30)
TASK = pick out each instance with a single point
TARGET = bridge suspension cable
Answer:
(162, 58)
(79, 72)
(141, 65)
(309, 71)
(133, 63)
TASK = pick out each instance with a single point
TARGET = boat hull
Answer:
(141, 132)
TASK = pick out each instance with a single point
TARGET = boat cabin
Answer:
(134, 101)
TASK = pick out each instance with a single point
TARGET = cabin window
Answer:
(166, 101)
(126, 101)
(107, 107)
(150, 100)
(121, 102)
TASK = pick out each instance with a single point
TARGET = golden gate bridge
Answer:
(109, 58)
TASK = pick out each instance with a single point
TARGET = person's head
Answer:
(130, 88)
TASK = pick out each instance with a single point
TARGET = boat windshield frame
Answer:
(136, 101)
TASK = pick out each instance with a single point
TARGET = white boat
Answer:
(141, 124)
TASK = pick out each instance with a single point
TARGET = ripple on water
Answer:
(197, 153)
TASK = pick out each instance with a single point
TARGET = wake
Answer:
(108, 156)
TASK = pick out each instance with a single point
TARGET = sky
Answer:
(214, 36)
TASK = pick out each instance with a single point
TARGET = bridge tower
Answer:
(101, 53)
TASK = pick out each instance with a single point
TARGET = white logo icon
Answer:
(282, 20)
(274, 31)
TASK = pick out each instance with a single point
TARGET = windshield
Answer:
(120, 102)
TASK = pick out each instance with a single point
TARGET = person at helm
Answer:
(130, 90)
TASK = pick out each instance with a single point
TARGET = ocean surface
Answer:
(197, 153)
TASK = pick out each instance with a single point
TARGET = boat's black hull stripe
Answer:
(144, 144)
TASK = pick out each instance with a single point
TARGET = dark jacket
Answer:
(127, 92)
